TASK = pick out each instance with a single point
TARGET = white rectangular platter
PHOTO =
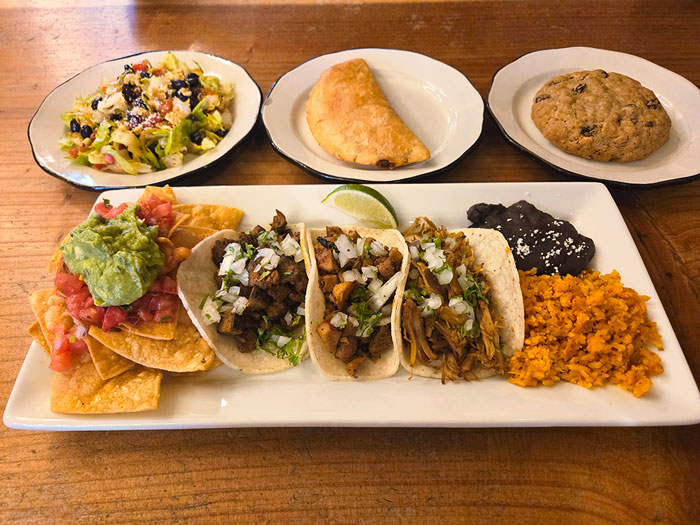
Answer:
(303, 397)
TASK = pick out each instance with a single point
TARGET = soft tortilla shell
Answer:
(195, 281)
(350, 117)
(491, 250)
(325, 361)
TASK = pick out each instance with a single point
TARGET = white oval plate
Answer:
(46, 126)
(514, 87)
(435, 100)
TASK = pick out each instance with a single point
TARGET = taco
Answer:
(245, 294)
(462, 312)
(352, 305)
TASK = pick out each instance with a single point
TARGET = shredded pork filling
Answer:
(446, 319)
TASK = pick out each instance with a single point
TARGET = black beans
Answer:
(193, 80)
(145, 74)
(95, 102)
(587, 131)
(194, 99)
(541, 98)
(181, 96)
(127, 67)
(191, 117)
(579, 89)
(115, 116)
(197, 137)
(85, 131)
(178, 84)
(139, 103)
(130, 93)
(221, 132)
(74, 126)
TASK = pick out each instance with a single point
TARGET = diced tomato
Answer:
(77, 346)
(141, 66)
(166, 306)
(110, 212)
(113, 316)
(60, 353)
(158, 72)
(165, 285)
(163, 210)
(156, 212)
(166, 107)
(66, 282)
(74, 152)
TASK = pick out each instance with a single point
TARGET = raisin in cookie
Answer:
(601, 116)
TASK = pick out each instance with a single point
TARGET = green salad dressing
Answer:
(119, 259)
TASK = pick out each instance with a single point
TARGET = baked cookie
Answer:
(601, 116)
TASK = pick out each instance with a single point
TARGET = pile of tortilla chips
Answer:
(123, 369)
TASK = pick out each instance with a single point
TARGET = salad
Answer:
(149, 118)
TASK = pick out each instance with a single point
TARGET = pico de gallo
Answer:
(149, 118)
(109, 234)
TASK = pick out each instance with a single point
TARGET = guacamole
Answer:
(118, 258)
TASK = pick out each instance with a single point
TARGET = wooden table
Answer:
(623, 475)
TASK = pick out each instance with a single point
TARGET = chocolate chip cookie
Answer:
(601, 116)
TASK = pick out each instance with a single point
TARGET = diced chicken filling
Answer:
(358, 277)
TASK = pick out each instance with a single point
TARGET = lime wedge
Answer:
(363, 203)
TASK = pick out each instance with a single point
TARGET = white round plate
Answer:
(46, 126)
(513, 90)
(435, 100)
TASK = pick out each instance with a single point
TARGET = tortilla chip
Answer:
(190, 236)
(83, 391)
(350, 117)
(50, 311)
(161, 331)
(210, 216)
(108, 363)
(165, 193)
(34, 330)
(186, 352)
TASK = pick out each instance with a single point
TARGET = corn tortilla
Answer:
(195, 281)
(326, 362)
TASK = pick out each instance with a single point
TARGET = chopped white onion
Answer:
(377, 249)
(385, 292)
(369, 272)
(210, 311)
(353, 275)
(339, 320)
(458, 304)
(300, 311)
(346, 250)
(414, 253)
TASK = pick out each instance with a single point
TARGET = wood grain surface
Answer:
(623, 475)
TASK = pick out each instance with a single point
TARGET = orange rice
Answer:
(587, 330)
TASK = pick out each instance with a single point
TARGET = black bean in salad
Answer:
(197, 137)
(193, 80)
(85, 131)
(95, 102)
(74, 126)
(178, 84)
